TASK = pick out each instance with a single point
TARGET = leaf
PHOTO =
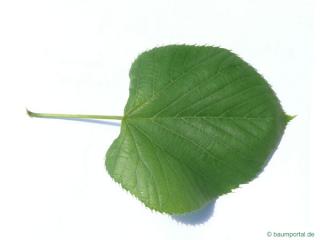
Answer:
(199, 122)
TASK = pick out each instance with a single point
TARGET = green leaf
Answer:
(199, 122)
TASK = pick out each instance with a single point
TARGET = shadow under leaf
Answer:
(103, 122)
(196, 217)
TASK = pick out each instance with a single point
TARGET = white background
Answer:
(74, 57)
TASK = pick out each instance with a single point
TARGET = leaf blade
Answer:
(194, 127)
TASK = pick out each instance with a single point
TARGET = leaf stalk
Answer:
(76, 116)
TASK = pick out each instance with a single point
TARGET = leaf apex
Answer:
(290, 117)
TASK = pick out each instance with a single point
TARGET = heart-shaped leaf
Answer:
(199, 122)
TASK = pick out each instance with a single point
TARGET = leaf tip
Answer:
(290, 117)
